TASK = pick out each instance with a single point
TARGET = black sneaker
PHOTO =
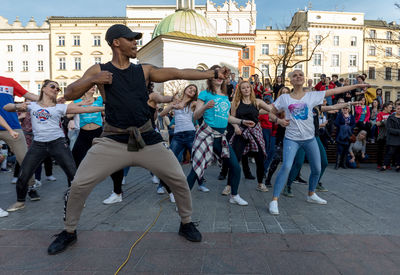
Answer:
(250, 177)
(300, 180)
(190, 232)
(34, 195)
(63, 240)
(221, 177)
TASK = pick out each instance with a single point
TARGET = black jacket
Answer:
(393, 131)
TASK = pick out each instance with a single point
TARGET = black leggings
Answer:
(82, 146)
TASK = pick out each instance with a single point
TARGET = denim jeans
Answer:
(58, 149)
(181, 141)
(233, 165)
(269, 147)
(290, 148)
(299, 161)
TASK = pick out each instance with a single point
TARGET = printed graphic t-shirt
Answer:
(216, 117)
(46, 121)
(8, 89)
(87, 118)
(299, 112)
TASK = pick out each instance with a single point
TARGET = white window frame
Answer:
(265, 49)
(335, 60)
(317, 60)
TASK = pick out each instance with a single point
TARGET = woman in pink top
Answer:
(362, 116)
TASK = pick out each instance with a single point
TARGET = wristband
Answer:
(215, 73)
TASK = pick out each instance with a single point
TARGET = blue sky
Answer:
(269, 12)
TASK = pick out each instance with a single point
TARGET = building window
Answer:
(9, 48)
(372, 50)
(398, 95)
(353, 78)
(96, 40)
(61, 63)
(389, 35)
(25, 48)
(265, 49)
(398, 74)
(353, 60)
(77, 63)
(317, 59)
(24, 66)
(97, 60)
(299, 67)
(40, 48)
(388, 51)
(353, 41)
(246, 53)
(246, 72)
(372, 33)
(371, 72)
(39, 88)
(316, 78)
(335, 60)
(388, 73)
(40, 65)
(318, 39)
(280, 69)
(281, 49)
(139, 42)
(10, 67)
(387, 96)
(62, 86)
(298, 50)
(265, 69)
(336, 41)
(61, 40)
(77, 40)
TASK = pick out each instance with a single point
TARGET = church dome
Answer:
(185, 21)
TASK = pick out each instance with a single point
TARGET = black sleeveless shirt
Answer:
(126, 101)
(247, 112)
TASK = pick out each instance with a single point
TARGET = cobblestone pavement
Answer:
(356, 232)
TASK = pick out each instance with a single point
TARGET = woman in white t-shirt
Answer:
(49, 138)
(300, 133)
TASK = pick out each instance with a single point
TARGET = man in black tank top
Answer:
(123, 88)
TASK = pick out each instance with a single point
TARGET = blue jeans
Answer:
(233, 166)
(181, 141)
(329, 100)
(299, 161)
(269, 147)
(290, 148)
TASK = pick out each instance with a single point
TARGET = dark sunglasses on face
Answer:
(54, 87)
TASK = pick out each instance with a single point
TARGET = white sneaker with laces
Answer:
(3, 213)
(171, 198)
(238, 200)
(160, 190)
(113, 198)
(202, 188)
(14, 180)
(51, 178)
(37, 184)
(155, 180)
(123, 181)
(315, 199)
(273, 208)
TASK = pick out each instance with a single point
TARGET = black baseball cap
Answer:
(323, 75)
(119, 30)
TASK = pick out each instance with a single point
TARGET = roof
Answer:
(202, 38)
(381, 24)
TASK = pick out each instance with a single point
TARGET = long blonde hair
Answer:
(239, 96)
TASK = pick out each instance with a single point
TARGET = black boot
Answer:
(337, 162)
(343, 161)
(268, 179)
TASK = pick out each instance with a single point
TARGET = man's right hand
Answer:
(103, 77)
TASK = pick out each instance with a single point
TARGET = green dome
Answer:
(186, 21)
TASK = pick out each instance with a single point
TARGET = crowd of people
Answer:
(232, 121)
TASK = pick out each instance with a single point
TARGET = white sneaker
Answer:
(155, 180)
(315, 199)
(113, 198)
(160, 190)
(3, 213)
(14, 180)
(273, 208)
(37, 184)
(238, 200)
(51, 178)
(253, 160)
(123, 181)
(202, 188)
(171, 198)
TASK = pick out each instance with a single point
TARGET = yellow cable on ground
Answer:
(141, 237)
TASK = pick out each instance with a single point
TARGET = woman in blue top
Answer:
(214, 106)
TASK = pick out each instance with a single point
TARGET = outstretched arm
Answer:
(338, 106)
(343, 89)
(155, 74)
(93, 76)
(20, 107)
(75, 109)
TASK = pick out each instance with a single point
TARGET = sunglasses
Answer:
(55, 87)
